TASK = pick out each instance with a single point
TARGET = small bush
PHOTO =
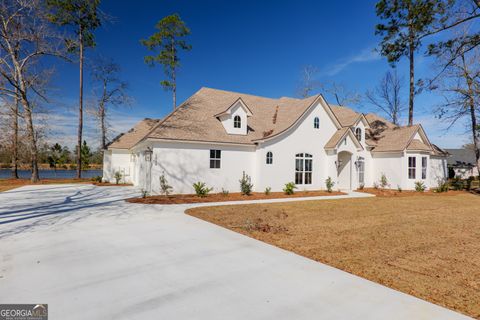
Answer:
(144, 193)
(289, 188)
(457, 183)
(329, 184)
(201, 189)
(118, 176)
(375, 185)
(246, 185)
(420, 186)
(225, 192)
(384, 181)
(442, 186)
(399, 188)
(97, 179)
(165, 188)
(361, 186)
(268, 190)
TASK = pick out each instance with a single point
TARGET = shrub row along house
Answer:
(216, 136)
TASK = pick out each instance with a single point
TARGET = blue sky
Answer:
(255, 47)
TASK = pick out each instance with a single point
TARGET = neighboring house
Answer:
(462, 162)
(216, 136)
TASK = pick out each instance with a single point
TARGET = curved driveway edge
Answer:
(91, 255)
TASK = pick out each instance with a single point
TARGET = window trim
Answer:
(269, 157)
(215, 159)
(412, 168)
(316, 123)
(237, 120)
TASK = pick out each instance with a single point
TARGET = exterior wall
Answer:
(438, 170)
(117, 160)
(466, 172)
(303, 138)
(186, 163)
(409, 184)
(392, 165)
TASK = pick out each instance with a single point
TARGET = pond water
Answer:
(51, 174)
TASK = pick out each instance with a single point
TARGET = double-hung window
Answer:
(215, 157)
(412, 167)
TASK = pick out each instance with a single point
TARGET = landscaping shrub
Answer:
(361, 186)
(268, 190)
(289, 188)
(384, 181)
(97, 179)
(144, 193)
(420, 186)
(225, 192)
(246, 185)
(329, 184)
(375, 185)
(201, 189)
(118, 176)
(442, 186)
(457, 183)
(165, 188)
(399, 188)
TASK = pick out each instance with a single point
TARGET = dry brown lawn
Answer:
(428, 247)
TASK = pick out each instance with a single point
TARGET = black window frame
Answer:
(215, 158)
(316, 123)
(303, 168)
(358, 134)
(269, 157)
(237, 122)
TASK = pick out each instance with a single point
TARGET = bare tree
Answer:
(308, 83)
(342, 95)
(386, 96)
(460, 85)
(110, 91)
(25, 37)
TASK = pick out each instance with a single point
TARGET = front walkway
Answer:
(90, 255)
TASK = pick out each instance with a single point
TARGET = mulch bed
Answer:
(108, 184)
(220, 197)
(407, 193)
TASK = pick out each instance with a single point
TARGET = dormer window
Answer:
(237, 122)
(316, 123)
(358, 134)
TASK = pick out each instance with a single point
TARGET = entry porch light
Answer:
(148, 154)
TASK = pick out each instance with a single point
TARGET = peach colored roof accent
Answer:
(416, 144)
(335, 139)
(195, 119)
(134, 135)
(396, 139)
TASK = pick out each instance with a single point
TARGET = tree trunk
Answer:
(33, 140)
(15, 138)
(80, 110)
(174, 76)
(174, 92)
(411, 97)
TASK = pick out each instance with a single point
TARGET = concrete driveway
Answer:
(90, 255)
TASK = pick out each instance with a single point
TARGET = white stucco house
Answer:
(216, 135)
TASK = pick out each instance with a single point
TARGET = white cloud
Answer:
(366, 55)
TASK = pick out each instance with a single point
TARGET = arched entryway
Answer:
(344, 170)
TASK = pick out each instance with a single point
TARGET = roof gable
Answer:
(239, 102)
(338, 137)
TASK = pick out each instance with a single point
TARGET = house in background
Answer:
(462, 162)
(216, 136)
